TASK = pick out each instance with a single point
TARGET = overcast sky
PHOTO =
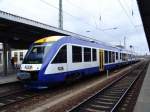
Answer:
(106, 20)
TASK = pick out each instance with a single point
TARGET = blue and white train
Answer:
(58, 58)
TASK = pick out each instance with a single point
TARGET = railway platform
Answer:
(10, 77)
(143, 101)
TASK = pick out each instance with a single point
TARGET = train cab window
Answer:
(94, 54)
(116, 55)
(76, 54)
(106, 56)
(110, 59)
(36, 54)
(87, 54)
(61, 56)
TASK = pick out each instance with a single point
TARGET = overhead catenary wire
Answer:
(100, 18)
(78, 7)
(128, 7)
(65, 12)
(75, 17)
(129, 18)
(80, 19)
(84, 10)
(132, 12)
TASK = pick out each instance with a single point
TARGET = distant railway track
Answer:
(111, 96)
(128, 102)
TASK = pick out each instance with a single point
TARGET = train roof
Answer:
(86, 42)
(79, 41)
(48, 39)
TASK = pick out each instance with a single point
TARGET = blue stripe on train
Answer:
(44, 80)
(61, 76)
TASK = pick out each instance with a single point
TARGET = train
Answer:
(56, 59)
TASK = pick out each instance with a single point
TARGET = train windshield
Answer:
(36, 54)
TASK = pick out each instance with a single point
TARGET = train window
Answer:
(61, 56)
(113, 56)
(106, 56)
(123, 56)
(126, 57)
(130, 56)
(116, 55)
(87, 54)
(0, 58)
(21, 56)
(36, 54)
(94, 54)
(120, 55)
(110, 57)
(76, 54)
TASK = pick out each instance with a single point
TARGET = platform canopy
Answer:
(144, 7)
(20, 32)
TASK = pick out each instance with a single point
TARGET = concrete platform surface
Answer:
(143, 102)
(8, 78)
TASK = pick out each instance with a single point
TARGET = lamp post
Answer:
(131, 46)
(60, 23)
(88, 31)
(124, 39)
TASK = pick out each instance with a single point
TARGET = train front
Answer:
(32, 63)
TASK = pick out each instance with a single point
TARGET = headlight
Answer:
(23, 75)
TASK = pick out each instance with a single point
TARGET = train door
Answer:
(101, 60)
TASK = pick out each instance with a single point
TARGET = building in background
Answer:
(16, 53)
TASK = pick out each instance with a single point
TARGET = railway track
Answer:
(13, 92)
(128, 102)
(10, 85)
(15, 97)
(22, 96)
(108, 99)
(10, 88)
